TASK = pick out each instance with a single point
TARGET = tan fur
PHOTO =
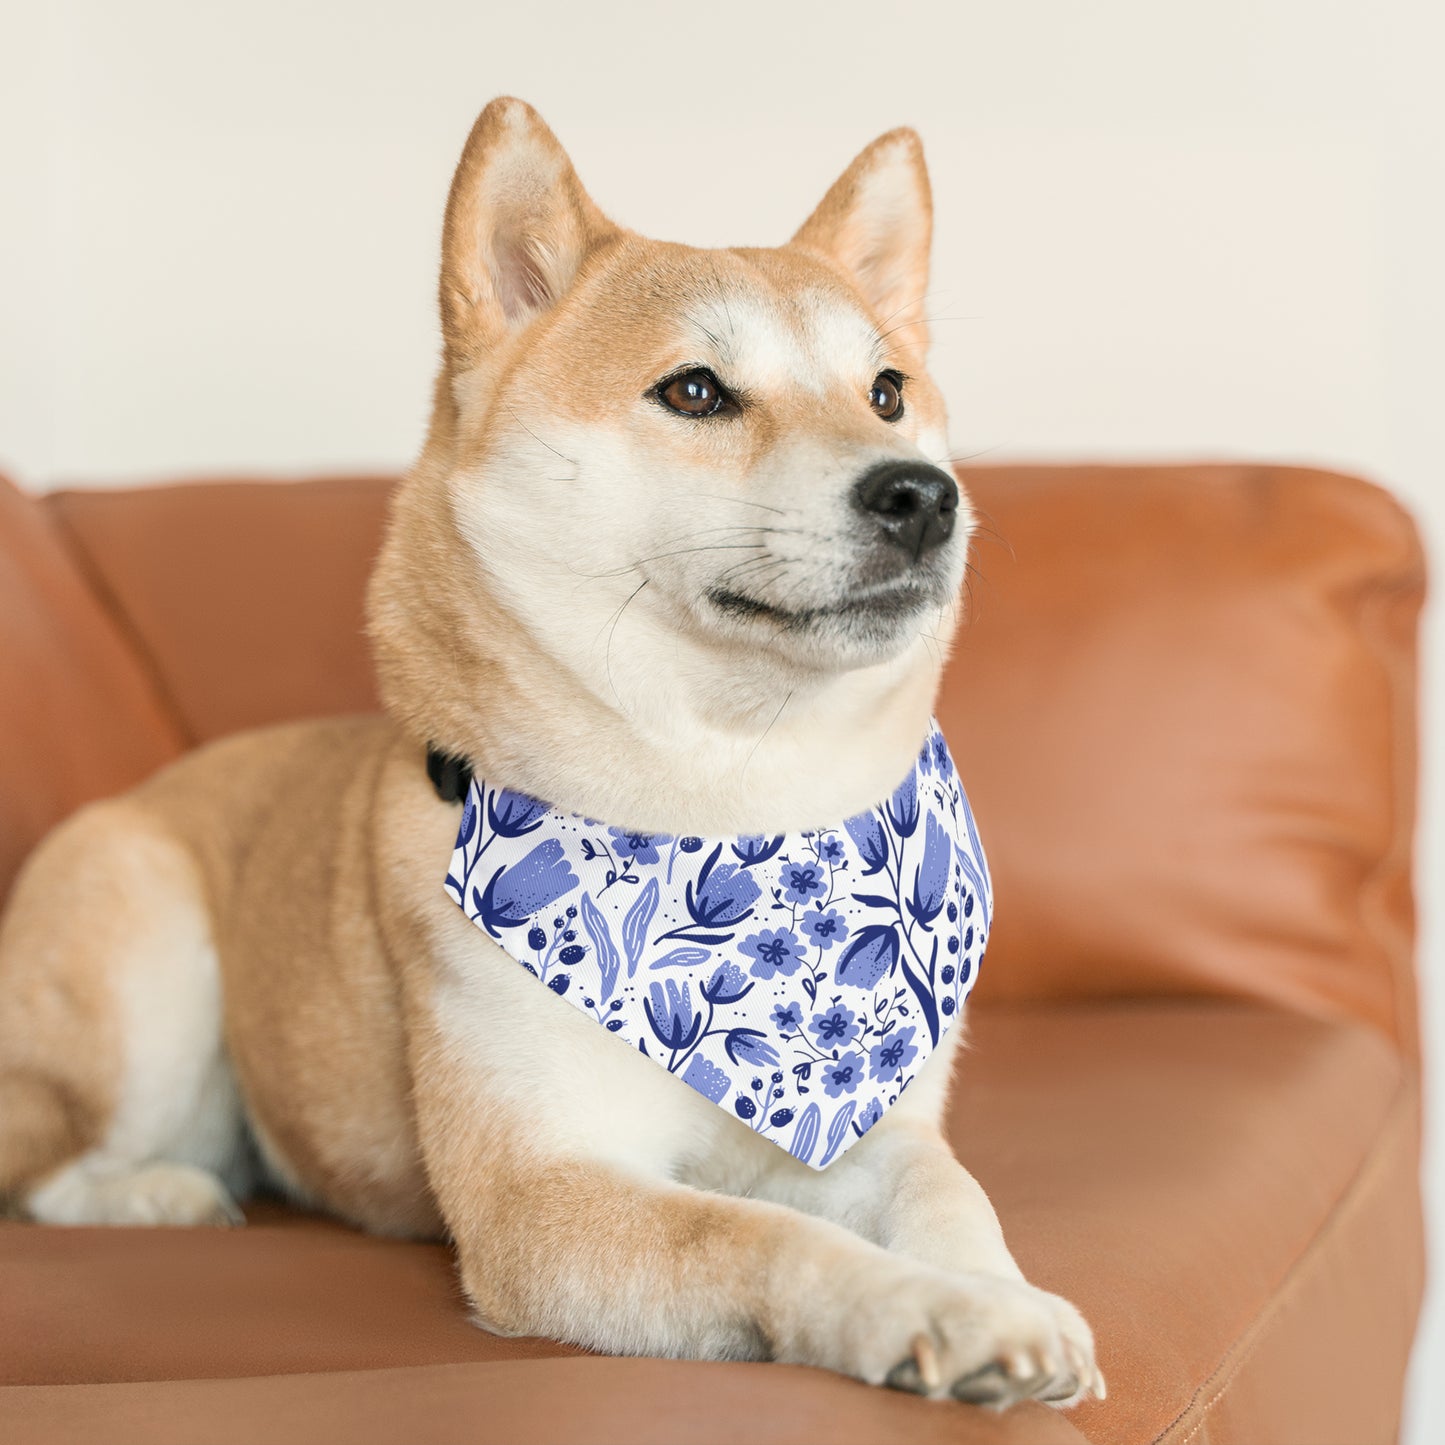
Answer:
(258, 936)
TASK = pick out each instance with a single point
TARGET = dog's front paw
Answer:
(979, 1338)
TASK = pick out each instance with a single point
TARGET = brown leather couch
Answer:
(1185, 708)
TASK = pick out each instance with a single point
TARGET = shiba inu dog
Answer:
(677, 552)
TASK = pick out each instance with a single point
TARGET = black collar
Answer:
(450, 775)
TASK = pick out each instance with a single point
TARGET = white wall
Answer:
(1164, 228)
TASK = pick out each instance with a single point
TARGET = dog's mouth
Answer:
(891, 603)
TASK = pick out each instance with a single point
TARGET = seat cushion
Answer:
(1226, 1191)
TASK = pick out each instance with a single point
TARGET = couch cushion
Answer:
(79, 715)
(1184, 706)
(247, 595)
(1190, 1174)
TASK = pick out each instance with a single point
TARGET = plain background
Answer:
(1164, 230)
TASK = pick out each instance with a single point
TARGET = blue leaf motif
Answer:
(805, 1136)
(870, 956)
(876, 900)
(608, 960)
(753, 850)
(635, 925)
(838, 1131)
(682, 958)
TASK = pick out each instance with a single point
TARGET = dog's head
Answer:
(726, 461)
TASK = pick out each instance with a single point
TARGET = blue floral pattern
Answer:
(798, 981)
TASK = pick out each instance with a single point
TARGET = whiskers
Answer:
(571, 461)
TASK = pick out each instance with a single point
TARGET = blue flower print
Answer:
(706, 1078)
(841, 1076)
(830, 848)
(514, 894)
(930, 878)
(903, 807)
(724, 895)
(893, 1055)
(727, 985)
(750, 1047)
(787, 1018)
(670, 1013)
(868, 1115)
(514, 814)
(802, 882)
(837, 1025)
(941, 760)
(866, 831)
(825, 929)
(640, 847)
(773, 951)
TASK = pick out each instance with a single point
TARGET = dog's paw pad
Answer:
(988, 1386)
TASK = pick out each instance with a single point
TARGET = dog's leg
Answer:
(622, 1260)
(116, 1104)
(901, 1187)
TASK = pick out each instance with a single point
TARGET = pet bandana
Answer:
(798, 981)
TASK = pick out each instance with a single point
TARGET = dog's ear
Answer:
(518, 227)
(877, 223)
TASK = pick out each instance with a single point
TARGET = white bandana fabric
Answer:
(798, 981)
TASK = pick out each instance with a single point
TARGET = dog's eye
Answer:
(886, 397)
(694, 393)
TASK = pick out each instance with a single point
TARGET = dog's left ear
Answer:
(877, 223)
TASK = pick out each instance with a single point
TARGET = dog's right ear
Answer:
(518, 227)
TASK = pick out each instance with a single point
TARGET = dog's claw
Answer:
(988, 1386)
(926, 1355)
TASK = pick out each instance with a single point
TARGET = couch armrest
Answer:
(79, 715)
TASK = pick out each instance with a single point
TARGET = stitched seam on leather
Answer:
(1299, 1272)
(124, 623)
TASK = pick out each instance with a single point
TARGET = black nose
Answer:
(915, 504)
